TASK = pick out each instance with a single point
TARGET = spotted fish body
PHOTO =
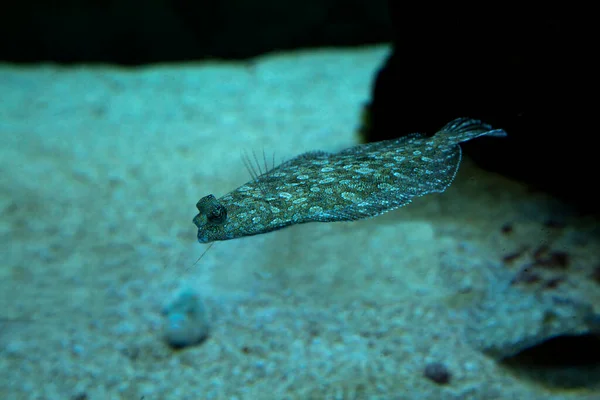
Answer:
(359, 182)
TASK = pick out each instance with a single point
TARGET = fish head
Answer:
(211, 220)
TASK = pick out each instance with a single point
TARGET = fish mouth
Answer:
(202, 238)
(197, 220)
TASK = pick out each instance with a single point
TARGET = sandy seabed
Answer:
(100, 170)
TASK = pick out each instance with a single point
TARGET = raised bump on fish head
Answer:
(212, 216)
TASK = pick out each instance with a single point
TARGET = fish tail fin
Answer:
(464, 129)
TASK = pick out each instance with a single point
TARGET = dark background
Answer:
(528, 71)
(145, 31)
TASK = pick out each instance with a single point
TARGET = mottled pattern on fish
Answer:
(355, 183)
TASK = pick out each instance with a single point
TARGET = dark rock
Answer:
(526, 72)
(438, 373)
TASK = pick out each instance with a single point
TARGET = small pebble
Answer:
(186, 321)
(438, 373)
(506, 228)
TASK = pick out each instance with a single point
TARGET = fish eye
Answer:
(217, 214)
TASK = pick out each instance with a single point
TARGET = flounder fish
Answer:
(359, 182)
